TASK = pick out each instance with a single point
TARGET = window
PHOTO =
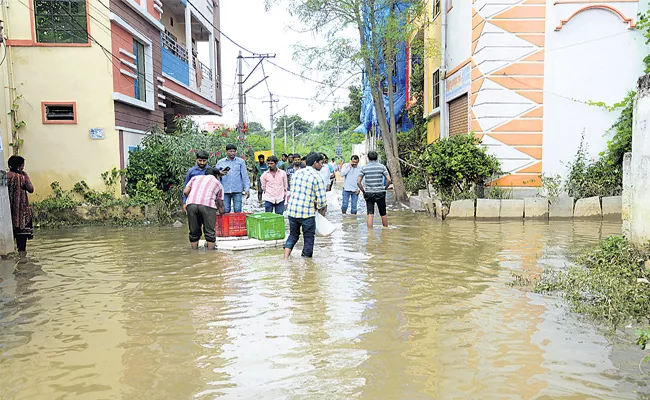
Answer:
(59, 113)
(140, 81)
(61, 21)
(436, 89)
(436, 8)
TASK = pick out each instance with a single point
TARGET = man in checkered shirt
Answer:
(307, 197)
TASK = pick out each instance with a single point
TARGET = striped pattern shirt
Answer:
(373, 174)
(307, 194)
(204, 191)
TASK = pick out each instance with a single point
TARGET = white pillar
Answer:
(640, 166)
(213, 67)
(6, 226)
(188, 39)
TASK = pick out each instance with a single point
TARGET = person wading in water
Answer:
(19, 185)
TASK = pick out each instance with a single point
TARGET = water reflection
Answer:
(417, 311)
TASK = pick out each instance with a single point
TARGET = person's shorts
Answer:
(375, 198)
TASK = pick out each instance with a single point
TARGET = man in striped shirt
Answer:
(374, 192)
(204, 198)
(307, 197)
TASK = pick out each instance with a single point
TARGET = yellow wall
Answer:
(178, 29)
(433, 35)
(63, 153)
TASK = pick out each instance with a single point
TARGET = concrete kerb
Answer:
(561, 208)
(512, 208)
(536, 208)
(612, 207)
(488, 209)
(462, 209)
(588, 207)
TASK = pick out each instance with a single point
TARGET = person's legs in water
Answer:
(354, 198)
(227, 199)
(21, 244)
(209, 216)
(294, 235)
(309, 233)
(345, 202)
(237, 202)
(370, 208)
(194, 221)
(381, 206)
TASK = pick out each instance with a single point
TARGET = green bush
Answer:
(588, 178)
(604, 283)
(455, 165)
(55, 209)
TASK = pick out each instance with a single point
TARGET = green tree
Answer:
(341, 53)
(255, 128)
(353, 110)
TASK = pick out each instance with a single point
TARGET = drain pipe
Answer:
(443, 72)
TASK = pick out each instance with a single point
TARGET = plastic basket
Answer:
(231, 224)
(265, 226)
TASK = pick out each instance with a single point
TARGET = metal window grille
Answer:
(436, 89)
(61, 21)
(59, 112)
(436, 8)
(173, 46)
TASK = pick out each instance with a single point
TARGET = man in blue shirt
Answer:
(197, 170)
(235, 181)
(350, 172)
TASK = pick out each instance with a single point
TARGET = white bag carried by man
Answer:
(323, 226)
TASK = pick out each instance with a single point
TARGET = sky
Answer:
(248, 24)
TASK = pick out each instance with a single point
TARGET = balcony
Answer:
(195, 75)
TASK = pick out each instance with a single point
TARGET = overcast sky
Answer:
(248, 24)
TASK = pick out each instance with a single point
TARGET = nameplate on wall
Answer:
(96, 133)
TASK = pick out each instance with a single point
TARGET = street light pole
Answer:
(285, 130)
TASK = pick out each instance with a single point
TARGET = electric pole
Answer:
(285, 130)
(240, 74)
(271, 115)
(242, 80)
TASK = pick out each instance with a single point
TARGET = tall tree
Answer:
(381, 28)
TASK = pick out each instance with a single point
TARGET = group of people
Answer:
(291, 186)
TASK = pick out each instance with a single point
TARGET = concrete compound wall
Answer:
(636, 176)
(528, 208)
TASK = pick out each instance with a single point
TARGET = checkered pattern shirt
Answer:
(307, 194)
(205, 189)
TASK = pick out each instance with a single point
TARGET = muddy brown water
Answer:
(421, 310)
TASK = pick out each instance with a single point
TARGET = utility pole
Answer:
(293, 130)
(271, 115)
(242, 80)
(285, 130)
(240, 74)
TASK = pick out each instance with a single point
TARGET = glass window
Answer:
(140, 81)
(436, 89)
(61, 21)
(436, 8)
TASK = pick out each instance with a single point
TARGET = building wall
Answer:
(593, 57)
(433, 36)
(79, 74)
(459, 36)
(536, 66)
(126, 115)
(507, 85)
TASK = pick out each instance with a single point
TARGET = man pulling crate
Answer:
(204, 199)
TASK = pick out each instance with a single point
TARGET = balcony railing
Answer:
(203, 81)
(175, 64)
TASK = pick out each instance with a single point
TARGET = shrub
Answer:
(455, 165)
(589, 178)
(604, 285)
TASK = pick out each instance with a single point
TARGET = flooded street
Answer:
(421, 310)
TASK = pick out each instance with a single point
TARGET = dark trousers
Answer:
(308, 231)
(199, 216)
(277, 208)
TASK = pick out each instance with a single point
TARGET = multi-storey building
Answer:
(523, 75)
(91, 77)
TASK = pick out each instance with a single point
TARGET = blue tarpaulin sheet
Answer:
(368, 112)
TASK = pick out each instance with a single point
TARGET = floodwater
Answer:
(421, 310)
